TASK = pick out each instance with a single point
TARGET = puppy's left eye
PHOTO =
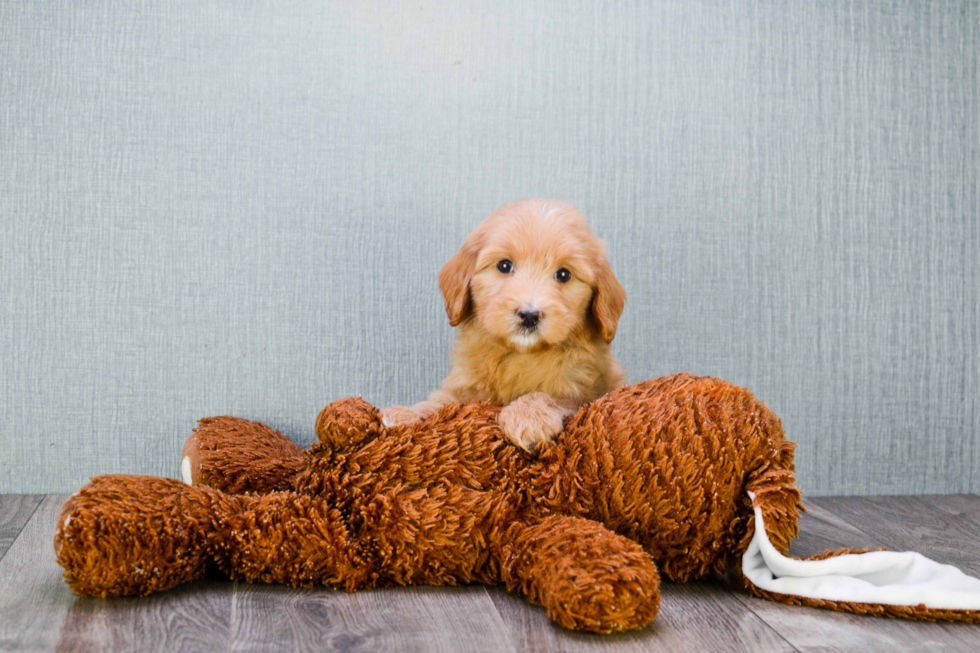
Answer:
(563, 275)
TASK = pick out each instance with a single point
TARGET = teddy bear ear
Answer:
(347, 423)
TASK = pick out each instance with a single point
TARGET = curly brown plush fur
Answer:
(651, 475)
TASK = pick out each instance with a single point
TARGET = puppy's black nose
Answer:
(529, 317)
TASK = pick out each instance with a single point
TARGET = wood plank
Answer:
(15, 511)
(274, 618)
(954, 504)
(39, 612)
(837, 523)
(191, 617)
(821, 529)
(693, 617)
(914, 524)
(33, 597)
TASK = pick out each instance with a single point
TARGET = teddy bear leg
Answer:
(586, 576)
(124, 535)
(295, 539)
(236, 456)
(133, 535)
(434, 536)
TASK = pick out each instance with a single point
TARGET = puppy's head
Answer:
(531, 276)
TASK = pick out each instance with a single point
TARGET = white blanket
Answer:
(886, 577)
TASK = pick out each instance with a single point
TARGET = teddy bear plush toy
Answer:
(680, 476)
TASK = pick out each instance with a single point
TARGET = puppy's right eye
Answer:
(505, 266)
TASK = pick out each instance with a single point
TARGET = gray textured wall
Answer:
(241, 208)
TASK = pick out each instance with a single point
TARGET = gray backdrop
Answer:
(241, 208)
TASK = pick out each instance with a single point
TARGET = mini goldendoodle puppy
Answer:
(537, 305)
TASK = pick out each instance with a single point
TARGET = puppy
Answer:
(537, 305)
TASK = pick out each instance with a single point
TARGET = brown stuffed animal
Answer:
(654, 475)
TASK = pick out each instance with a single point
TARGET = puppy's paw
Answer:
(529, 420)
(397, 415)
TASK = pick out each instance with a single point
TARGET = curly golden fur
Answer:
(537, 306)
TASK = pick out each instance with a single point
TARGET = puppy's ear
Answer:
(607, 300)
(454, 279)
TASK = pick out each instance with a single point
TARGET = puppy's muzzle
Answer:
(529, 318)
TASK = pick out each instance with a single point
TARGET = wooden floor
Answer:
(39, 613)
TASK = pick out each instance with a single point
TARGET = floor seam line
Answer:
(493, 604)
(748, 606)
(26, 522)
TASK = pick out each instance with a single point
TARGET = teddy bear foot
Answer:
(236, 456)
(587, 577)
(133, 535)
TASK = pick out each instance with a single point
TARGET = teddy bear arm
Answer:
(586, 576)
(236, 456)
(774, 490)
(347, 423)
